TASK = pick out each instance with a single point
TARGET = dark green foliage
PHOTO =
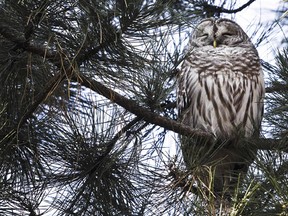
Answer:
(278, 100)
(66, 146)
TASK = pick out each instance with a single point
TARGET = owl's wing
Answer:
(183, 100)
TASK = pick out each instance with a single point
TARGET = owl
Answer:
(220, 91)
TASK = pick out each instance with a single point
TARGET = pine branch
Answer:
(130, 105)
(154, 118)
(137, 110)
(41, 97)
(55, 57)
(112, 143)
(277, 88)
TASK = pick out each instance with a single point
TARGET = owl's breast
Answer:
(224, 60)
(222, 89)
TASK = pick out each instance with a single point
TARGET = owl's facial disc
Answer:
(219, 32)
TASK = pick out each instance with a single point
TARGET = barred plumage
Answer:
(221, 90)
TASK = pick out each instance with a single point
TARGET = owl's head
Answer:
(217, 33)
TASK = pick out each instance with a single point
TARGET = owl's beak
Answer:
(214, 43)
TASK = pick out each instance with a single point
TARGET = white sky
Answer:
(261, 12)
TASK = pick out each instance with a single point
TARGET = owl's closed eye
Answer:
(219, 32)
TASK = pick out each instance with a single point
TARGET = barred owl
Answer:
(220, 91)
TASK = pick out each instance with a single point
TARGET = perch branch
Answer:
(128, 104)
(154, 118)
(141, 112)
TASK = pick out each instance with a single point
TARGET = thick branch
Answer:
(128, 104)
(154, 118)
(276, 88)
(21, 43)
(137, 110)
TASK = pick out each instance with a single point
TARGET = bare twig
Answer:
(229, 11)
(213, 9)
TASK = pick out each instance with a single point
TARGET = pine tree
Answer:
(87, 106)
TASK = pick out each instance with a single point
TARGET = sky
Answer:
(259, 14)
